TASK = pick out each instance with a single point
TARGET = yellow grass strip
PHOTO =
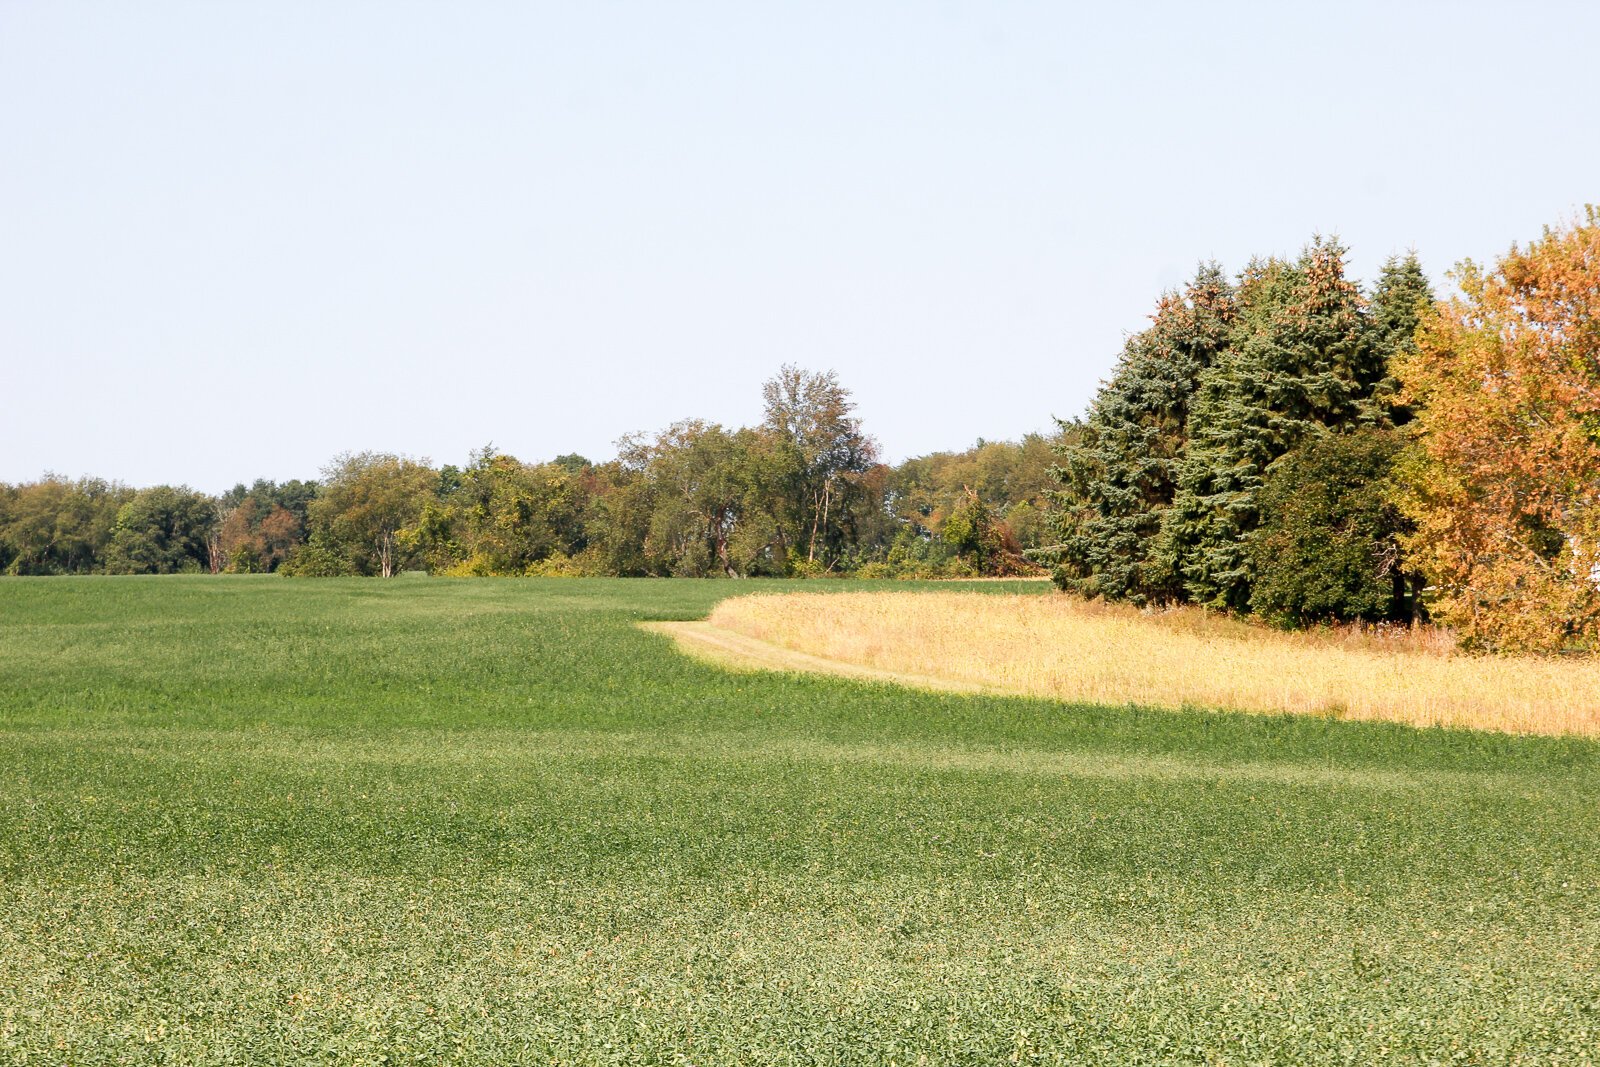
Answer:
(1064, 648)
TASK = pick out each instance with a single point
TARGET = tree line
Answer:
(1283, 443)
(1280, 442)
(804, 493)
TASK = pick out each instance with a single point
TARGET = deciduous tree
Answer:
(1506, 487)
(366, 499)
(810, 417)
(58, 526)
(161, 530)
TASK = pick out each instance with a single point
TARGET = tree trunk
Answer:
(819, 518)
(1419, 613)
(811, 545)
(722, 552)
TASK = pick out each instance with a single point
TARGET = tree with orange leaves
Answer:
(1504, 486)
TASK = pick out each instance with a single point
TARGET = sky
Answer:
(239, 239)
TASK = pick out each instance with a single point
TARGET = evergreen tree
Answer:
(1301, 362)
(1328, 548)
(1398, 302)
(1118, 473)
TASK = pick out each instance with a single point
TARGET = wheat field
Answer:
(1072, 650)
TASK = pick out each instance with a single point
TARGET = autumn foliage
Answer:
(1281, 442)
(1505, 489)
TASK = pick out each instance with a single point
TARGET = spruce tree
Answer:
(1118, 473)
(1398, 301)
(1301, 362)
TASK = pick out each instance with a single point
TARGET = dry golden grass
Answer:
(1065, 648)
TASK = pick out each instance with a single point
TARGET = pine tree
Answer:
(1118, 475)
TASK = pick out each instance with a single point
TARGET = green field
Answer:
(264, 820)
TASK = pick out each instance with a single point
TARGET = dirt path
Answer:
(734, 650)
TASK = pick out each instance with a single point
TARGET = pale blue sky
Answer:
(237, 239)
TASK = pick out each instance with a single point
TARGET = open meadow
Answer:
(1079, 651)
(261, 820)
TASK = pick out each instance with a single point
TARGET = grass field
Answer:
(1074, 650)
(261, 820)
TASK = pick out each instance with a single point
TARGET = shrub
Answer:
(316, 561)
